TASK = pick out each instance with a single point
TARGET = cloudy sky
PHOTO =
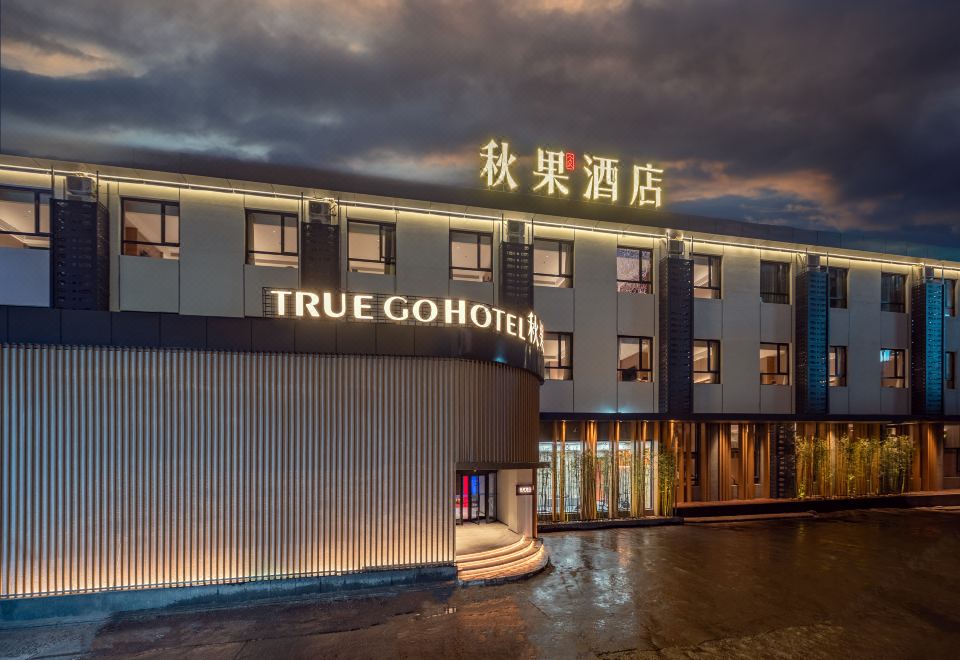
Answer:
(835, 114)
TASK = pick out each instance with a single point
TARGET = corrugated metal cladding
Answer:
(127, 468)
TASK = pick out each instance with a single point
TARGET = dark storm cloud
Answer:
(817, 113)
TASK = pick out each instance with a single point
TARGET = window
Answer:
(24, 218)
(558, 356)
(774, 282)
(272, 238)
(706, 276)
(706, 361)
(552, 263)
(471, 256)
(635, 359)
(949, 297)
(893, 367)
(893, 292)
(634, 270)
(950, 370)
(774, 364)
(838, 287)
(371, 247)
(837, 366)
(151, 229)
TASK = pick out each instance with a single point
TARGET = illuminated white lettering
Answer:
(520, 327)
(281, 301)
(361, 304)
(309, 306)
(474, 313)
(499, 316)
(512, 324)
(328, 305)
(449, 312)
(388, 308)
(418, 311)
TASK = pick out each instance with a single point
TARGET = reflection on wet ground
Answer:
(860, 584)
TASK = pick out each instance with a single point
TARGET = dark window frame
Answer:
(566, 369)
(622, 373)
(477, 235)
(388, 261)
(284, 216)
(713, 362)
(712, 288)
(900, 368)
(638, 285)
(783, 363)
(776, 296)
(567, 277)
(37, 193)
(837, 301)
(163, 225)
(950, 370)
(892, 305)
(837, 366)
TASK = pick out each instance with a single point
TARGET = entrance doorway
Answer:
(476, 497)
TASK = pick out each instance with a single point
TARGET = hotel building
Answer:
(234, 373)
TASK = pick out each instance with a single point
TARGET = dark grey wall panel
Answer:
(812, 337)
(675, 372)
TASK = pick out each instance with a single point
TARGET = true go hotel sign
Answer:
(407, 310)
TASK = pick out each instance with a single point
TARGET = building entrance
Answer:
(476, 497)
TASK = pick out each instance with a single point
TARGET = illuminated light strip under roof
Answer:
(471, 216)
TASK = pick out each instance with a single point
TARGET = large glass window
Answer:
(151, 229)
(774, 364)
(371, 247)
(950, 370)
(24, 218)
(837, 366)
(893, 294)
(635, 359)
(272, 239)
(774, 282)
(471, 256)
(893, 369)
(558, 356)
(706, 276)
(838, 287)
(552, 263)
(949, 297)
(706, 361)
(634, 270)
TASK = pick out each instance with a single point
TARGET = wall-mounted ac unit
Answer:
(516, 231)
(82, 188)
(675, 247)
(322, 210)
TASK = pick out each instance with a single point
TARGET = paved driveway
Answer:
(862, 584)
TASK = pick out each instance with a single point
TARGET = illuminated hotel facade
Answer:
(211, 380)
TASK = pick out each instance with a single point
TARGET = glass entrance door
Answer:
(476, 497)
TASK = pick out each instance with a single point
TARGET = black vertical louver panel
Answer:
(319, 255)
(783, 461)
(79, 255)
(926, 348)
(516, 276)
(812, 336)
(676, 335)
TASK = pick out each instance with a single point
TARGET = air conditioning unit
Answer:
(80, 187)
(516, 231)
(929, 273)
(675, 247)
(813, 261)
(322, 210)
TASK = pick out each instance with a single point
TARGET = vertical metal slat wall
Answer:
(128, 468)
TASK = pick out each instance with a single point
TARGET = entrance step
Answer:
(522, 559)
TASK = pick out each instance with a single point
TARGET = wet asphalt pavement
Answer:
(857, 585)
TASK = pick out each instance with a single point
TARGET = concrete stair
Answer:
(518, 560)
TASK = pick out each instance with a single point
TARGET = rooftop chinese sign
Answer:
(555, 174)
